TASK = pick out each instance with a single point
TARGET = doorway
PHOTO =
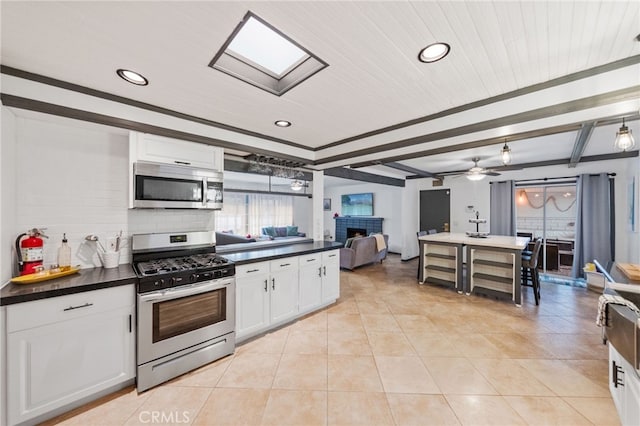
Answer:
(435, 210)
(549, 212)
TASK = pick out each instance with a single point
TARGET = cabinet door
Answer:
(632, 403)
(252, 304)
(284, 294)
(53, 365)
(174, 151)
(330, 275)
(310, 286)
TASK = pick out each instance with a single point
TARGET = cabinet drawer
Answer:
(284, 264)
(331, 256)
(22, 316)
(310, 259)
(252, 269)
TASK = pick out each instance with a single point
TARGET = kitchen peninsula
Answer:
(493, 263)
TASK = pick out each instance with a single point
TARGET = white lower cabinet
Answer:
(66, 348)
(266, 294)
(252, 298)
(330, 276)
(624, 384)
(310, 282)
(319, 279)
(271, 293)
(284, 289)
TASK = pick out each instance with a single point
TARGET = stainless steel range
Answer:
(186, 304)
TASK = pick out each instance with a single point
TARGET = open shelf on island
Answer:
(493, 263)
(441, 269)
(488, 277)
(438, 281)
(441, 256)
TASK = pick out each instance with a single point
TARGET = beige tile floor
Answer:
(395, 352)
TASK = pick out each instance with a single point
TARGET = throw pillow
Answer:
(270, 231)
(281, 231)
(292, 231)
(347, 243)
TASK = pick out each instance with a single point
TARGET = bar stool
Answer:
(530, 277)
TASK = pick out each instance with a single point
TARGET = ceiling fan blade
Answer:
(489, 173)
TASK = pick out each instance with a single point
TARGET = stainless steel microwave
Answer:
(157, 185)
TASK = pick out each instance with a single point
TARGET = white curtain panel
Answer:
(245, 214)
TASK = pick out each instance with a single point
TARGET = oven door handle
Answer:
(183, 291)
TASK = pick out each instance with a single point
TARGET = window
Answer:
(266, 49)
(259, 54)
(248, 213)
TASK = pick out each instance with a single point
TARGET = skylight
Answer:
(263, 56)
(266, 48)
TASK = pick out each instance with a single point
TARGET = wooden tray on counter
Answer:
(43, 276)
(630, 270)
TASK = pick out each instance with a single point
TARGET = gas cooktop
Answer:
(175, 264)
(170, 260)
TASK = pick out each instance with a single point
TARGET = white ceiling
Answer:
(374, 79)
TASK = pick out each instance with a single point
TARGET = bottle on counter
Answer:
(64, 253)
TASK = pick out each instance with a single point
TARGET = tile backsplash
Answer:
(74, 180)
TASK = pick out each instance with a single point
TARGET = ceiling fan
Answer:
(476, 172)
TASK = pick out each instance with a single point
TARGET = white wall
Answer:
(7, 220)
(386, 204)
(7, 191)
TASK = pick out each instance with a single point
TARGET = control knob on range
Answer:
(159, 282)
(193, 278)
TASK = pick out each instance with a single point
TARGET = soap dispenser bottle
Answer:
(64, 253)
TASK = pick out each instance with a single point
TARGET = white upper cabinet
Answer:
(159, 149)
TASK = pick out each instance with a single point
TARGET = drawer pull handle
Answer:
(71, 308)
(186, 163)
(324, 270)
(332, 255)
(266, 285)
(273, 283)
(320, 271)
(311, 260)
(252, 270)
(285, 264)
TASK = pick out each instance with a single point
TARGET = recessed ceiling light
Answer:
(132, 77)
(434, 52)
(282, 123)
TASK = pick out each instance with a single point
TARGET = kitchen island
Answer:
(493, 263)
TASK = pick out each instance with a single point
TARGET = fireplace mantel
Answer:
(371, 224)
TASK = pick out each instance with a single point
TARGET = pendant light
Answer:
(505, 154)
(297, 185)
(624, 138)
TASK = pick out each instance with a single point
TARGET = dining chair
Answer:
(530, 275)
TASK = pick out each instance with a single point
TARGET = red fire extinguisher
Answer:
(30, 251)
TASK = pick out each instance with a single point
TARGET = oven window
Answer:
(178, 316)
(166, 189)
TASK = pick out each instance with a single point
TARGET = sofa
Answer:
(362, 251)
(224, 238)
(281, 232)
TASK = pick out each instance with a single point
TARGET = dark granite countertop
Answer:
(272, 253)
(85, 280)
